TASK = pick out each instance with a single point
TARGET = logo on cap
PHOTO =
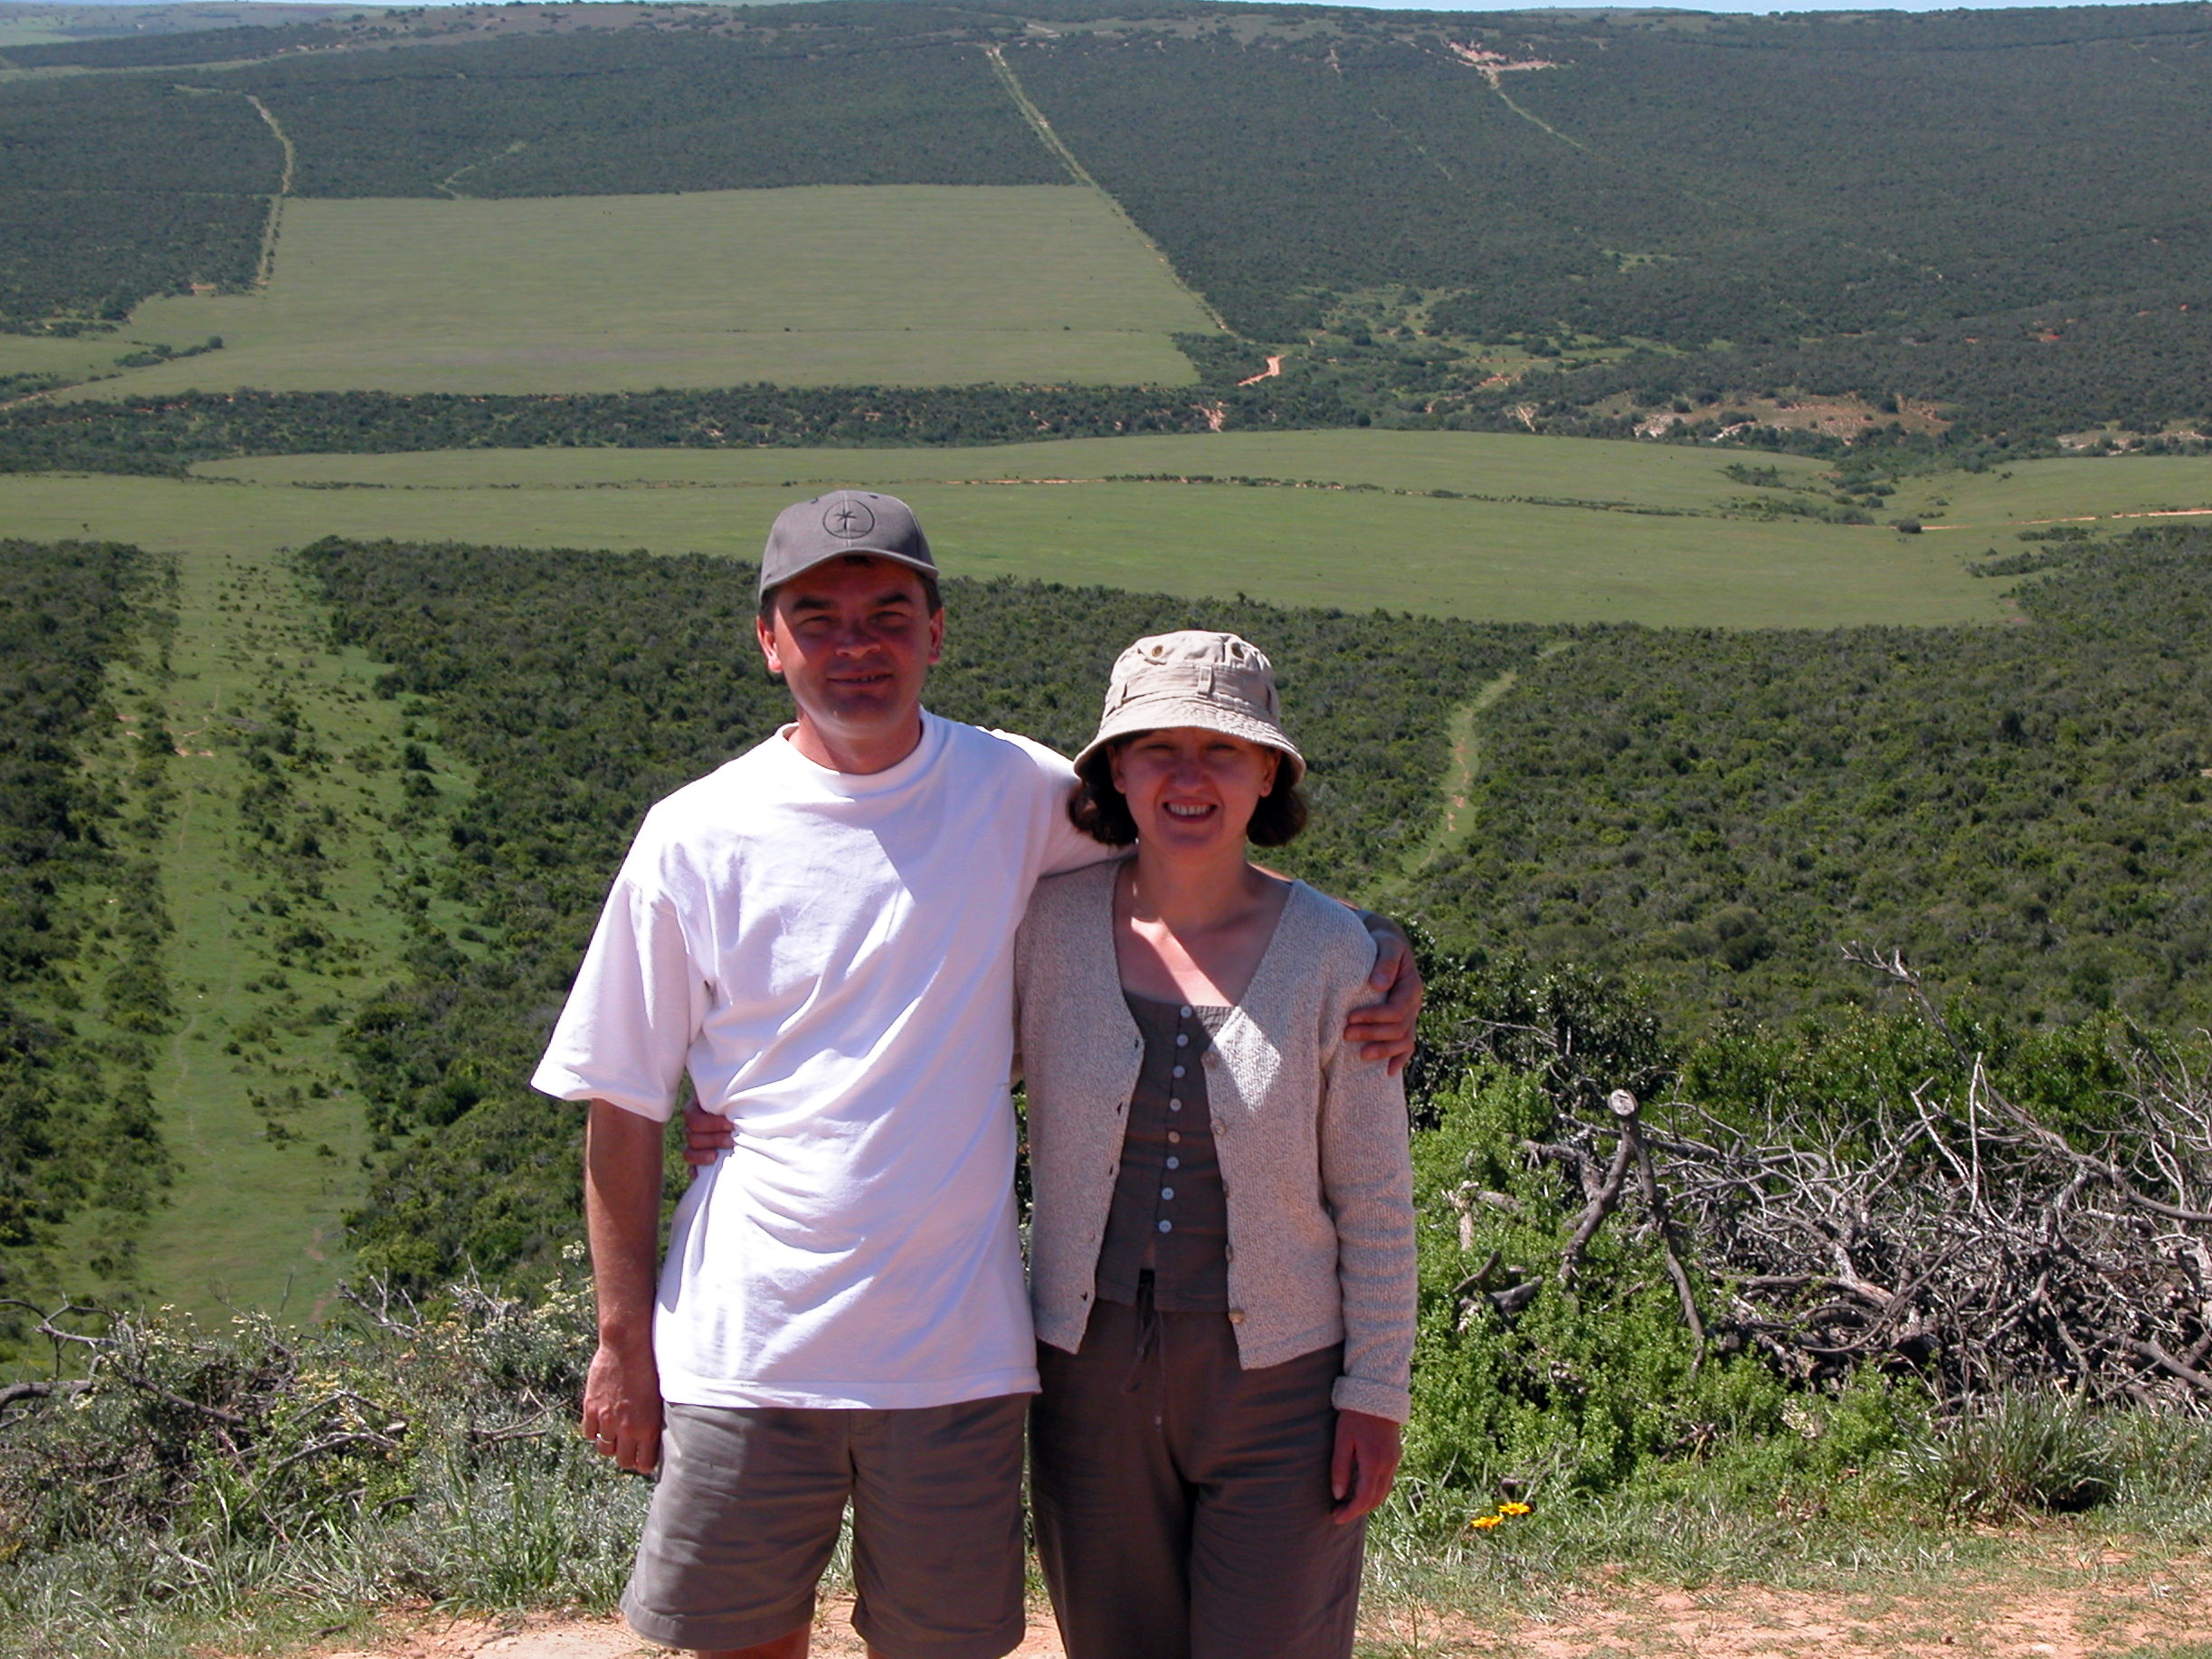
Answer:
(848, 520)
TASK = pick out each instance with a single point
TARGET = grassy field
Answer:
(1501, 561)
(254, 1219)
(1495, 465)
(26, 23)
(71, 359)
(2040, 491)
(1535, 529)
(1032, 283)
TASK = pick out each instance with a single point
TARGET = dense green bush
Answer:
(1855, 784)
(117, 187)
(166, 434)
(173, 1474)
(636, 111)
(81, 919)
(1586, 1383)
(1658, 183)
(2019, 810)
(579, 687)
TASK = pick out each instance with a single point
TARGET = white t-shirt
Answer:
(830, 957)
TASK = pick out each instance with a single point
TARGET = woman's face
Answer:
(1191, 789)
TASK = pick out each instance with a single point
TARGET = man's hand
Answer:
(1364, 1464)
(707, 1135)
(621, 1405)
(622, 1217)
(1384, 1029)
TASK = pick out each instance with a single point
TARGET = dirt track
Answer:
(2101, 1605)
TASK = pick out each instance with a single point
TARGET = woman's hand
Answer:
(707, 1135)
(1364, 1464)
(1384, 1031)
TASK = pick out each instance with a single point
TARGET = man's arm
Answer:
(1384, 1029)
(622, 1217)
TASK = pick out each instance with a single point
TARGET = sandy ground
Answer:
(570, 1638)
(2100, 1607)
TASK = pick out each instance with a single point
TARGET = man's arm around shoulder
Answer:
(1385, 1029)
(621, 1215)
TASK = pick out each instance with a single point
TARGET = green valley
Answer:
(1503, 561)
(288, 868)
(1008, 283)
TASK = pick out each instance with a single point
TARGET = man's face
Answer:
(854, 638)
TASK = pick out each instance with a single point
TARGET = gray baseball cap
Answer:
(844, 521)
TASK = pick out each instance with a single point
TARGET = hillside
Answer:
(1571, 220)
(622, 277)
(1727, 496)
(2020, 810)
(364, 899)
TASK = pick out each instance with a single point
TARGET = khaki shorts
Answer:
(748, 1505)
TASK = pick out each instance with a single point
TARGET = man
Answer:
(820, 933)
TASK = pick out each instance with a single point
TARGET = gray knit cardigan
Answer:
(1312, 1139)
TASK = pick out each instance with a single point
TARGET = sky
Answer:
(1763, 7)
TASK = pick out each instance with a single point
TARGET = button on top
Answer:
(1186, 1013)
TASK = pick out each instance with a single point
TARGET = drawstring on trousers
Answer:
(1148, 1332)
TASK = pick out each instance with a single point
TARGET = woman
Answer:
(1221, 1247)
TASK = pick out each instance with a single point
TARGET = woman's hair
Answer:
(1102, 812)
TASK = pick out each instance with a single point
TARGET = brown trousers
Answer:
(1183, 1503)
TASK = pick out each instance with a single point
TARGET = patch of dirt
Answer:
(2103, 1610)
(420, 1636)
(423, 1636)
(2100, 1611)
(834, 1638)
(1838, 417)
(2096, 1603)
(1492, 65)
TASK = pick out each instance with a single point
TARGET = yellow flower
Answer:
(1484, 1522)
(1512, 1509)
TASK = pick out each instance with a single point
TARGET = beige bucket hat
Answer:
(1213, 680)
